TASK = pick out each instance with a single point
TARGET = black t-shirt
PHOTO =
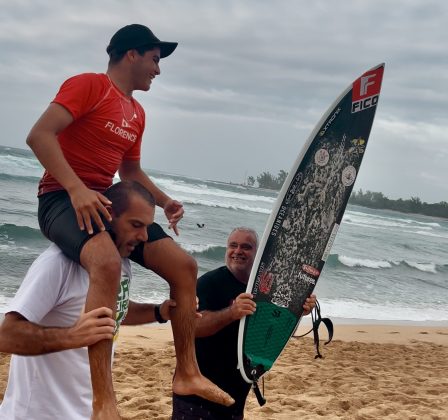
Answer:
(217, 355)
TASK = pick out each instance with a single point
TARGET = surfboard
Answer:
(303, 224)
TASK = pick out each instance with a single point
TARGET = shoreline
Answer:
(368, 371)
(306, 321)
(348, 333)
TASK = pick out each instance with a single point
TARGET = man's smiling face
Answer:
(240, 254)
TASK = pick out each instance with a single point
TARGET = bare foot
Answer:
(201, 386)
(109, 412)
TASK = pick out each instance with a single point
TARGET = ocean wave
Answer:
(356, 262)
(393, 219)
(434, 230)
(383, 222)
(432, 234)
(393, 311)
(20, 165)
(209, 251)
(203, 189)
(426, 267)
(13, 232)
(208, 203)
(21, 178)
(359, 262)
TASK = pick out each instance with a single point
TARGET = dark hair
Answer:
(120, 192)
(116, 56)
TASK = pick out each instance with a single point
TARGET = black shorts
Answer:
(57, 221)
(191, 407)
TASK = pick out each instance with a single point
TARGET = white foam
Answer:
(4, 302)
(362, 262)
(434, 235)
(382, 312)
(203, 189)
(197, 248)
(20, 166)
(224, 205)
(426, 267)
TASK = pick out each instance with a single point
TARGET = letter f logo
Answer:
(365, 83)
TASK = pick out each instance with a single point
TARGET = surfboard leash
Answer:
(260, 396)
(316, 319)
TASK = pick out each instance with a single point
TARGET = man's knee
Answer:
(187, 271)
(189, 264)
(100, 257)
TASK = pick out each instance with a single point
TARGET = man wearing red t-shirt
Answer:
(92, 129)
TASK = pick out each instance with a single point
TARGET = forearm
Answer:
(213, 321)
(139, 313)
(137, 174)
(27, 339)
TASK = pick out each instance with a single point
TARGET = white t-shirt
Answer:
(56, 385)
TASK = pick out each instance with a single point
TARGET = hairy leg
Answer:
(179, 269)
(100, 257)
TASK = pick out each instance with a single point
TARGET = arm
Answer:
(43, 141)
(213, 321)
(22, 337)
(143, 313)
(131, 170)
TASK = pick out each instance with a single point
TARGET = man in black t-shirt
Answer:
(223, 302)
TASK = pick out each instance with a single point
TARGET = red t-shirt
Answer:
(107, 129)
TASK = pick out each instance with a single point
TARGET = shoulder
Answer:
(82, 93)
(87, 78)
(52, 265)
(214, 275)
(51, 257)
(86, 82)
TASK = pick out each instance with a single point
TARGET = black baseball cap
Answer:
(135, 36)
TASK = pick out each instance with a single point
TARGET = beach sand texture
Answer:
(368, 372)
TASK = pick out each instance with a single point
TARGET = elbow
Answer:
(31, 140)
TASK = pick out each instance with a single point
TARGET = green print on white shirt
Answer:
(122, 302)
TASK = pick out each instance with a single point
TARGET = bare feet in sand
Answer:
(201, 386)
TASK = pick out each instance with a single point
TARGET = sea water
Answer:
(384, 265)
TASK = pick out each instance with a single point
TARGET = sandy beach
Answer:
(368, 372)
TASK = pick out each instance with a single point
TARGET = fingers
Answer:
(102, 312)
(174, 227)
(80, 220)
(245, 296)
(243, 305)
(174, 212)
(97, 219)
(104, 199)
(171, 303)
(103, 202)
(87, 222)
(309, 304)
(90, 206)
(84, 218)
(178, 211)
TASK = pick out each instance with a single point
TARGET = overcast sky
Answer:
(249, 80)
